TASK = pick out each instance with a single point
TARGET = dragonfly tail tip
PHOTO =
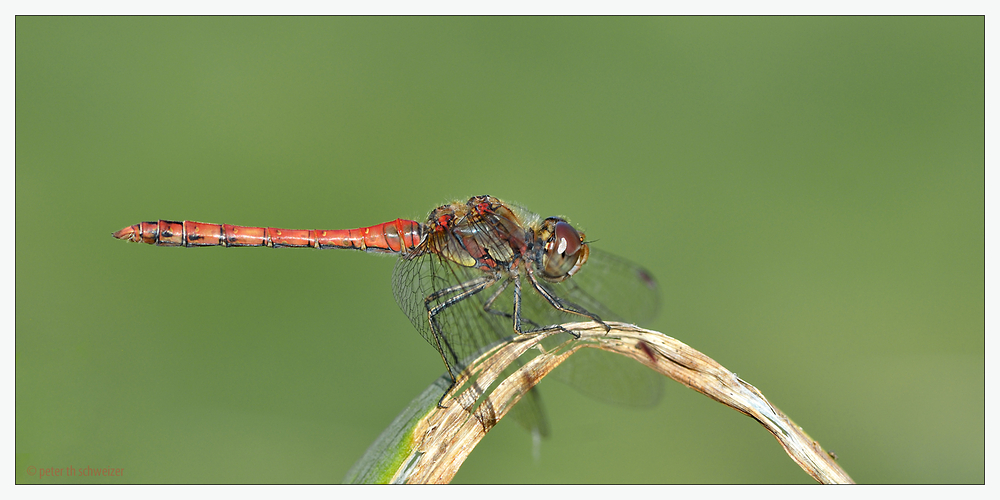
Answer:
(125, 233)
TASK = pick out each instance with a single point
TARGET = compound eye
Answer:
(565, 252)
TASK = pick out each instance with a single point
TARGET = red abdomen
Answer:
(389, 237)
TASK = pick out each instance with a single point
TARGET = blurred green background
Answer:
(808, 191)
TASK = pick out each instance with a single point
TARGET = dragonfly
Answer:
(476, 273)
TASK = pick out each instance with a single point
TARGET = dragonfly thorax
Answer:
(482, 233)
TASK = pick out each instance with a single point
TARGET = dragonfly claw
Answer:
(607, 327)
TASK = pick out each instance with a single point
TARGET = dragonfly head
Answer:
(564, 251)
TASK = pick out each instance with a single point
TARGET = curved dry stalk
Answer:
(444, 437)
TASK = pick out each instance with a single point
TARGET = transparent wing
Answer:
(465, 329)
(615, 289)
(611, 287)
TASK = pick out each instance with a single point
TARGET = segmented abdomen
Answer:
(389, 237)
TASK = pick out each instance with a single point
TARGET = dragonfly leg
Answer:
(467, 289)
(562, 304)
(488, 306)
(518, 319)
